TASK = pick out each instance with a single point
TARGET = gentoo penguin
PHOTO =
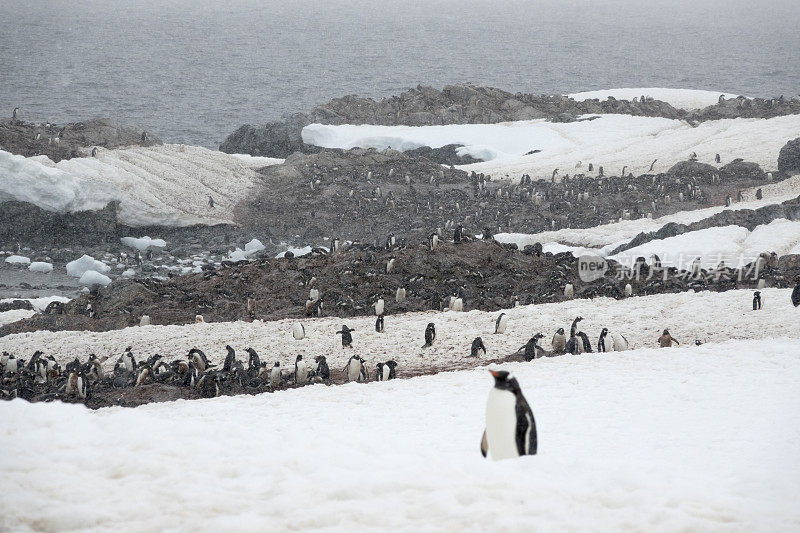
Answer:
(628, 290)
(355, 369)
(433, 241)
(128, 360)
(95, 369)
(144, 136)
(717, 158)
(210, 202)
(94, 151)
(620, 342)
(796, 295)
(501, 323)
(478, 349)
(559, 342)
(532, 348)
(313, 294)
(569, 291)
(587, 344)
(347, 338)
(666, 340)
(298, 331)
(143, 375)
(756, 300)
(379, 306)
(379, 324)
(198, 319)
(574, 327)
(458, 234)
(384, 372)
(510, 426)
(275, 375)
(230, 359)
(322, 371)
(251, 307)
(15, 114)
(601, 342)
(759, 194)
(430, 334)
(145, 320)
(300, 371)
(390, 266)
(83, 388)
(400, 295)
(253, 363)
(199, 359)
(457, 305)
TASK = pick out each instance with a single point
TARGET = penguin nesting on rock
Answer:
(301, 371)
(478, 349)
(230, 359)
(347, 338)
(430, 334)
(199, 359)
(322, 372)
(275, 375)
(510, 425)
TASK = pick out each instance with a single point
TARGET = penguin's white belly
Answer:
(298, 332)
(275, 378)
(501, 327)
(353, 370)
(302, 374)
(620, 344)
(501, 424)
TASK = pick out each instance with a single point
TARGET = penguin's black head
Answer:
(578, 318)
(319, 358)
(757, 293)
(391, 363)
(504, 380)
(299, 358)
(604, 331)
(666, 332)
(560, 331)
(538, 336)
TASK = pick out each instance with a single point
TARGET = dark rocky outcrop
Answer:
(22, 222)
(425, 106)
(742, 107)
(692, 169)
(789, 157)
(445, 155)
(739, 169)
(76, 139)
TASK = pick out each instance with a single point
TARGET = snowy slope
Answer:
(728, 243)
(707, 316)
(678, 98)
(612, 141)
(682, 439)
(167, 185)
(614, 234)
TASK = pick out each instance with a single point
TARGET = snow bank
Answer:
(257, 161)
(78, 267)
(144, 243)
(305, 250)
(164, 185)
(611, 141)
(683, 439)
(41, 266)
(18, 260)
(7, 317)
(733, 244)
(91, 278)
(678, 98)
(617, 233)
(39, 304)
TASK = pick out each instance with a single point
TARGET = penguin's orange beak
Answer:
(492, 372)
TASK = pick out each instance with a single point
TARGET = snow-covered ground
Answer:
(39, 305)
(678, 98)
(705, 316)
(611, 141)
(681, 439)
(610, 236)
(167, 185)
(731, 244)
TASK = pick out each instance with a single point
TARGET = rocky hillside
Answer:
(469, 104)
(70, 140)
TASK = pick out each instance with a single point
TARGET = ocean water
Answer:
(192, 71)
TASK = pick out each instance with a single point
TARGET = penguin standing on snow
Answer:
(275, 375)
(478, 349)
(756, 300)
(298, 331)
(532, 348)
(559, 341)
(300, 371)
(501, 323)
(323, 371)
(355, 369)
(379, 324)
(796, 295)
(430, 335)
(347, 339)
(510, 426)
(386, 371)
(601, 342)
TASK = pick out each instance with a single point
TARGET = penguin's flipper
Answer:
(484, 444)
